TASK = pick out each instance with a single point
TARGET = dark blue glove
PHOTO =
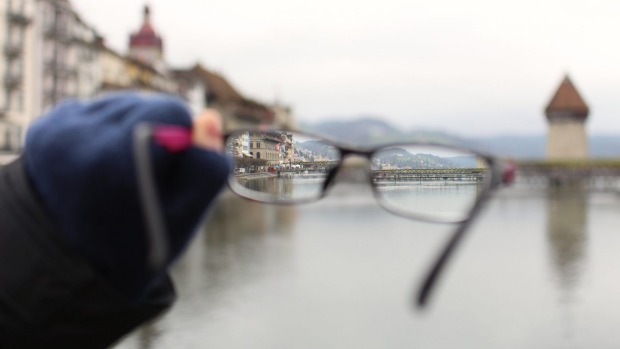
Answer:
(79, 159)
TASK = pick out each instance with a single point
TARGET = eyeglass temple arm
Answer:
(505, 174)
(173, 139)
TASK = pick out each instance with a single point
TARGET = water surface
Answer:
(539, 270)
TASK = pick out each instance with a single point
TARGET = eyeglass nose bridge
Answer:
(349, 159)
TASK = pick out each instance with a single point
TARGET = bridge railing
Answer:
(567, 171)
(460, 174)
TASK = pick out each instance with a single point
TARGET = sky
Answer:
(473, 68)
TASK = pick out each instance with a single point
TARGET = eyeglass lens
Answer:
(433, 183)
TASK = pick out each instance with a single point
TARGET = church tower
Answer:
(145, 45)
(566, 115)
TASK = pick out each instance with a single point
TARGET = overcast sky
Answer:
(477, 67)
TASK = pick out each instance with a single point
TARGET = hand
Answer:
(79, 159)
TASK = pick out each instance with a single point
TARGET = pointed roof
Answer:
(146, 36)
(567, 99)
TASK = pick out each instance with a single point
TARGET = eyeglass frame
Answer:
(177, 138)
(500, 174)
(346, 150)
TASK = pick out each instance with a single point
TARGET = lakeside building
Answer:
(51, 54)
(276, 148)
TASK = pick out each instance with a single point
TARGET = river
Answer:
(539, 270)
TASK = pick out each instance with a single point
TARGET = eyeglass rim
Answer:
(367, 151)
(357, 148)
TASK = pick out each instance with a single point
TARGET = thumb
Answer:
(207, 130)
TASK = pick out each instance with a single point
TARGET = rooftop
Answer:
(146, 36)
(567, 99)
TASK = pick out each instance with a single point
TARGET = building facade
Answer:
(67, 55)
(275, 147)
(16, 19)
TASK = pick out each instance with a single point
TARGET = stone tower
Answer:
(145, 45)
(566, 115)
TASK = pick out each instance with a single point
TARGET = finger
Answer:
(207, 130)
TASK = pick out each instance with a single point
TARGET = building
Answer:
(50, 54)
(275, 147)
(566, 115)
(16, 17)
(239, 146)
(146, 45)
(67, 51)
(237, 111)
(113, 67)
(192, 87)
(143, 68)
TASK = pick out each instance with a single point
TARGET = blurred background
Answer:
(480, 70)
(533, 82)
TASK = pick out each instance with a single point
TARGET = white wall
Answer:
(567, 140)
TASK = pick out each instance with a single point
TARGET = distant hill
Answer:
(372, 131)
(357, 131)
(514, 146)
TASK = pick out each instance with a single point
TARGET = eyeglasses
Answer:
(424, 181)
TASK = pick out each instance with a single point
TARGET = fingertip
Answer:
(207, 130)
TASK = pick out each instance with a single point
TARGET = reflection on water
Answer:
(228, 257)
(446, 200)
(567, 235)
(286, 186)
(231, 248)
(232, 218)
(338, 274)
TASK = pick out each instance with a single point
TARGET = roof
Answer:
(220, 92)
(221, 89)
(146, 36)
(567, 99)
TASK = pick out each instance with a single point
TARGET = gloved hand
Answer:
(80, 161)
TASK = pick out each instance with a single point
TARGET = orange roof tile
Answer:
(567, 99)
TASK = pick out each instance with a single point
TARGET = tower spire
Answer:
(146, 45)
(147, 14)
